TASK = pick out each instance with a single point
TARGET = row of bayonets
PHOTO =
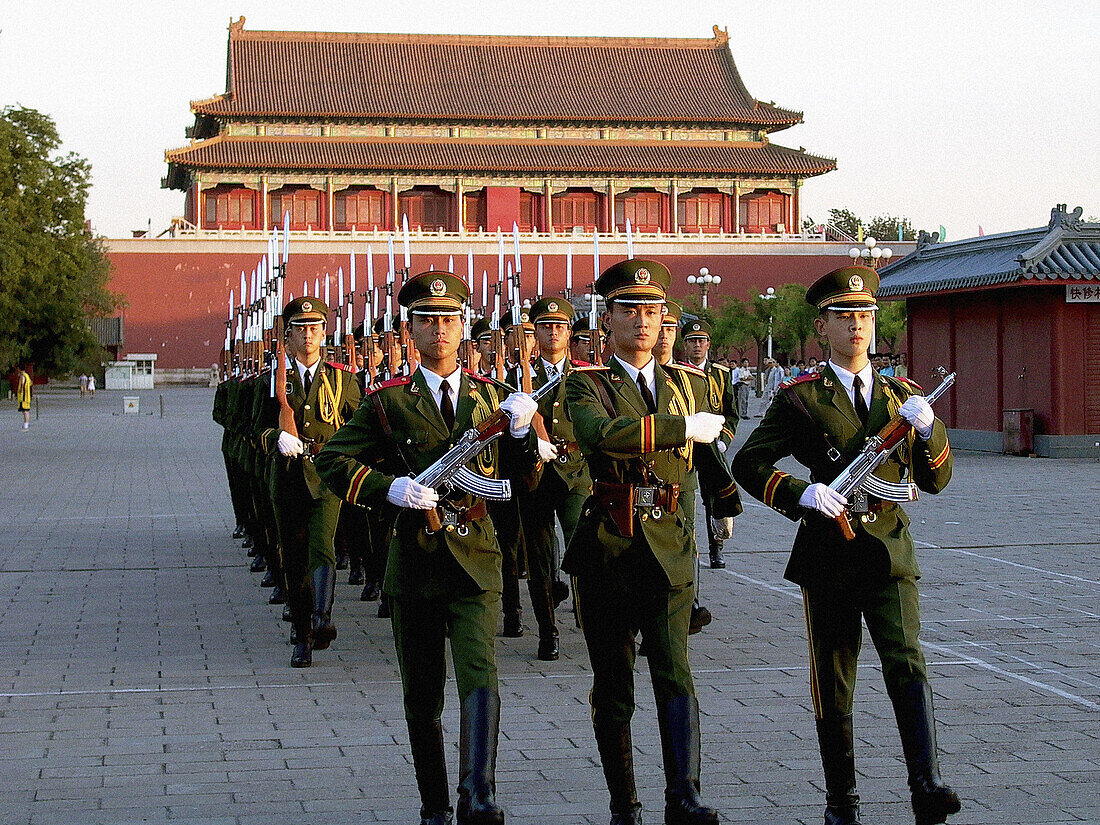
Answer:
(257, 319)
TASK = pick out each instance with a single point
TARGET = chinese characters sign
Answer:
(1083, 293)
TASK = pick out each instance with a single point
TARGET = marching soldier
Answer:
(444, 583)
(322, 397)
(564, 484)
(579, 349)
(483, 339)
(823, 419)
(696, 335)
(631, 556)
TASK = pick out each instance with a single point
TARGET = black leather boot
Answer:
(268, 580)
(700, 618)
(238, 531)
(834, 737)
(302, 655)
(513, 626)
(371, 592)
(477, 758)
(542, 605)
(716, 560)
(276, 596)
(356, 576)
(430, 765)
(324, 591)
(678, 720)
(258, 565)
(300, 604)
(933, 801)
(617, 758)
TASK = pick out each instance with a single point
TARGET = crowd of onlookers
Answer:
(774, 374)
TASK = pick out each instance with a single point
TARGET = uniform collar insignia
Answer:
(827, 382)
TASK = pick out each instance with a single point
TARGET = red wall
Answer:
(1020, 347)
(501, 207)
(178, 302)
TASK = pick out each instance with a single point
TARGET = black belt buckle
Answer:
(645, 496)
(859, 502)
(452, 521)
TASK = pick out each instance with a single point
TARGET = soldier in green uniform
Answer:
(696, 335)
(823, 419)
(447, 583)
(483, 339)
(322, 396)
(640, 425)
(564, 483)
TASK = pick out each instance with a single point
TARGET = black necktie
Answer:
(307, 381)
(647, 396)
(446, 407)
(860, 403)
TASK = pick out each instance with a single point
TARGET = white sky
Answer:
(954, 113)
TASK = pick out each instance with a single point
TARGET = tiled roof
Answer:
(480, 156)
(610, 81)
(1066, 249)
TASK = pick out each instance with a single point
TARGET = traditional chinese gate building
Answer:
(566, 137)
(1017, 315)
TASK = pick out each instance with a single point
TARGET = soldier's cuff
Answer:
(782, 492)
(269, 438)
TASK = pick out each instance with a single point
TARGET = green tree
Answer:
(793, 326)
(890, 322)
(53, 273)
(883, 228)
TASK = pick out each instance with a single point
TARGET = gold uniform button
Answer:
(307, 423)
(644, 516)
(555, 421)
(307, 406)
(557, 403)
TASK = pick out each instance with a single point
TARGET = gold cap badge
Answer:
(437, 287)
(642, 276)
(307, 306)
(855, 283)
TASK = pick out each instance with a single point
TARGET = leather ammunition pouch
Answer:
(620, 501)
(453, 519)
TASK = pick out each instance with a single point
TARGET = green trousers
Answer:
(611, 611)
(834, 623)
(421, 628)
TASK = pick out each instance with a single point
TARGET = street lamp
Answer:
(704, 280)
(769, 296)
(872, 254)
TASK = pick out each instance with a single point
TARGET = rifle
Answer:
(523, 349)
(449, 471)
(858, 479)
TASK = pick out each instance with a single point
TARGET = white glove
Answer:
(547, 451)
(521, 408)
(290, 445)
(703, 427)
(404, 492)
(824, 499)
(918, 412)
(722, 527)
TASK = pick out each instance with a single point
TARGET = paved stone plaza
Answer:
(148, 680)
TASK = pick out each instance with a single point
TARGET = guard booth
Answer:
(118, 375)
(143, 373)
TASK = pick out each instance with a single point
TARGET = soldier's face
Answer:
(578, 348)
(305, 340)
(436, 336)
(848, 332)
(697, 349)
(665, 341)
(552, 339)
(634, 327)
(485, 347)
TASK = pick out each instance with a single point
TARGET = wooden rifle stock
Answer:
(286, 413)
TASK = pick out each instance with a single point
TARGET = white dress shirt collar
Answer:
(847, 380)
(303, 369)
(435, 384)
(560, 366)
(647, 372)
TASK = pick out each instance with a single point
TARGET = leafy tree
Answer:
(883, 228)
(890, 322)
(794, 319)
(53, 273)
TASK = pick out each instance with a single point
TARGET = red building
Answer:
(1017, 315)
(564, 136)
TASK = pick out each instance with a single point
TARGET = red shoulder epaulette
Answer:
(344, 367)
(400, 381)
(802, 379)
(909, 382)
(576, 362)
(477, 376)
(591, 367)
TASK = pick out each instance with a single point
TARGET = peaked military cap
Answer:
(379, 326)
(695, 329)
(635, 282)
(672, 314)
(434, 293)
(524, 319)
(580, 326)
(360, 331)
(481, 329)
(552, 311)
(305, 310)
(850, 287)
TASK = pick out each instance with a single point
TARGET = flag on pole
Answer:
(943, 234)
(981, 232)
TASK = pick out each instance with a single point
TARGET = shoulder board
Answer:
(688, 368)
(591, 368)
(393, 382)
(577, 363)
(802, 379)
(344, 367)
(719, 367)
(907, 383)
(476, 376)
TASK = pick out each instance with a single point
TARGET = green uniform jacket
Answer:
(723, 398)
(613, 445)
(360, 463)
(333, 398)
(821, 553)
(574, 469)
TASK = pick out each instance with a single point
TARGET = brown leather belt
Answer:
(456, 519)
(621, 501)
(565, 449)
